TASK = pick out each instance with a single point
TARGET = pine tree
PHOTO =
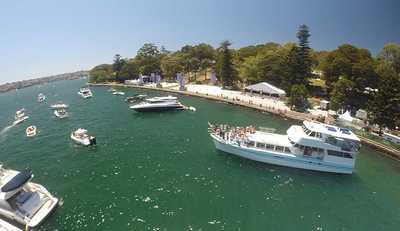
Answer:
(304, 54)
(225, 69)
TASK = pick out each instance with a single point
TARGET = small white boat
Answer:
(59, 106)
(85, 92)
(80, 136)
(20, 116)
(41, 98)
(118, 93)
(31, 131)
(23, 201)
(162, 99)
(5, 226)
(61, 113)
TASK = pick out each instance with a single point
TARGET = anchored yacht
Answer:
(23, 201)
(61, 113)
(20, 116)
(41, 98)
(59, 105)
(80, 136)
(157, 107)
(85, 92)
(312, 146)
(162, 99)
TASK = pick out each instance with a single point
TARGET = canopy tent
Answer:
(266, 88)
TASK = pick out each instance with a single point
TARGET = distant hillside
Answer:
(26, 83)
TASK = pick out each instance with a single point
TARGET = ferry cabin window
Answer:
(287, 150)
(279, 148)
(339, 154)
(312, 134)
(250, 143)
(269, 146)
(260, 145)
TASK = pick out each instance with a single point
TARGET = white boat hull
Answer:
(277, 159)
(20, 120)
(61, 116)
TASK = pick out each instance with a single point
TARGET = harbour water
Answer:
(160, 171)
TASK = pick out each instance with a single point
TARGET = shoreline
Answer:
(298, 116)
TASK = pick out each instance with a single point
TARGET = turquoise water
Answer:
(160, 171)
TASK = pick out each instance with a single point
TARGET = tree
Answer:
(304, 58)
(171, 64)
(101, 73)
(384, 108)
(390, 54)
(197, 58)
(224, 67)
(130, 70)
(298, 97)
(148, 59)
(342, 94)
(117, 66)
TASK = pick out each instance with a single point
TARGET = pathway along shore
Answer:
(391, 152)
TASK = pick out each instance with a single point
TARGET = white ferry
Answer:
(312, 146)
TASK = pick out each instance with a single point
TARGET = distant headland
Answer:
(30, 82)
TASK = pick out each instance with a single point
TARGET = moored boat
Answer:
(5, 226)
(85, 92)
(157, 107)
(162, 99)
(312, 146)
(61, 113)
(23, 201)
(80, 136)
(30, 131)
(20, 116)
(41, 98)
(118, 93)
(131, 99)
(59, 105)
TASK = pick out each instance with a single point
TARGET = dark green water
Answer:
(161, 171)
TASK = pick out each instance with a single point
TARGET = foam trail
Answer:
(4, 130)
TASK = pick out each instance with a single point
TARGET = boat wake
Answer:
(4, 130)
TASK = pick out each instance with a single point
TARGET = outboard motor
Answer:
(92, 140)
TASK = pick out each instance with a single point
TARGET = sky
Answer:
(45, 37)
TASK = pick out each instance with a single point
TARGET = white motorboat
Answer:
(61, 113)
(118, 93)
(41, 98)
(59, 105)
(85, 92)
(80, 136)
(162, 99)
(158, 107)
(131, 99)
(5, 226)
(31, 131)
(23, 201)
(20, 116)
(312, 146)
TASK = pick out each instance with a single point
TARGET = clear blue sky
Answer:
(39, 38)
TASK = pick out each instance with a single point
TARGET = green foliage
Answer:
(342, 94)
(298, 97)
(303, 56)
(390, 54)
(197, 58)
(171, 64)
(130, 70)
(117, 67)
(148, 59)
(224, 68)
(101, 73)
(384, 107)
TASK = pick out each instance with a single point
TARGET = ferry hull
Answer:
(271, 158)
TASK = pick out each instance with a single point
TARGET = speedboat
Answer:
(162, 99)
(59, 106)
(118, 93)
(85, 92)
(80, 136)
(23, 201)
(41, 98)
(61, 113)
(20, 116)
(5, 226)
(131, 99)
(31, 131)
(312, 146)
(157, 107)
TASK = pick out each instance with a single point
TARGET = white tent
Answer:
(346, 117)
(266, 88)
